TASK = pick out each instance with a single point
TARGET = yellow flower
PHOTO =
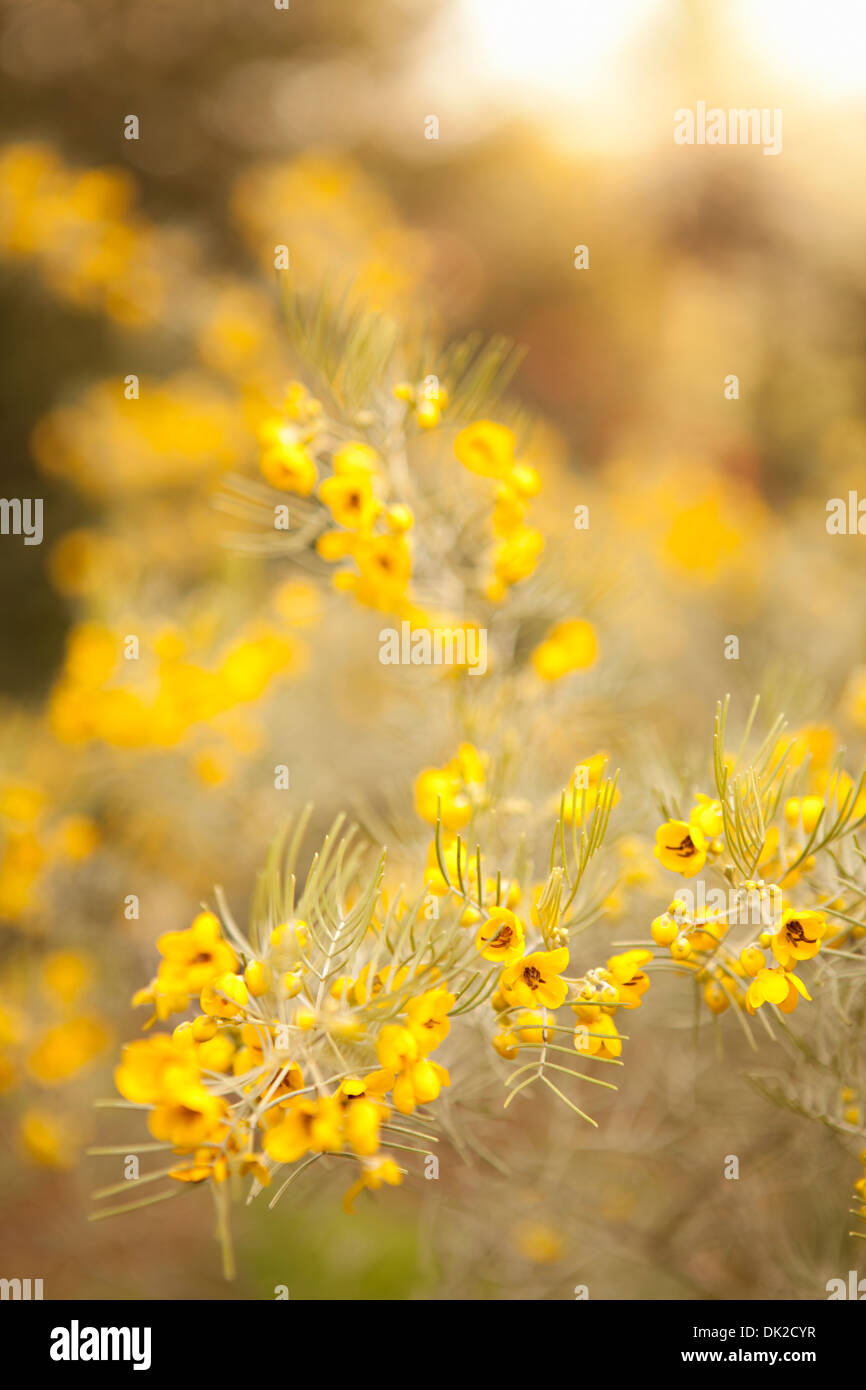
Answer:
(217, 1053)
(457, 785)
(716, 997)
(798, 936)
(516, 555)
(441, 784)
(569, 646)
(581, 796)
(77, 837)
(193, 958)
(509, 511)
(349, 498)
(775, 986)
(396, 1047)
(258, 978)
(707, 816)
(507, 1044)
(207, 1163)
(151, 1068)
(429, 404)
(501, 938)
(681, 846)
(539, 1242)
(486, 448)
(66, 1048)
(625, 973)
(372, 1177)
(525, 480)
(250, 1057)
(165, 1001)
(664, 929)
(65, 974)
(451, 850)
(299, 405)
(427, 1018)
(399, 518)
(307, 1125)
(226, 997)
(418, 1084)
(470, 764)
(288, 467)
(385, 567)
(595, 1032)
(188, 1117)
(534, 980)
(335, 545)
(363, 1115)
(46, 1140)
(531, 1028)
(752, 959)
(805, 811)
(21, 802)
(367, 987)
(355, 457)
(680, 948)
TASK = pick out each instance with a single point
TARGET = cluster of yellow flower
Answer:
(531, 984)
(228, 1079)
(174, 693)
(699, 946)
(369, 520)
(595, 999)
(318, 1028)
(488, 449)
(33, 839)
(111, 260)
(366, 529)
(48, 1054)
(340, 224)
(178, 433)
(736, 834)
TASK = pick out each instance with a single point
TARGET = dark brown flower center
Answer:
(796, 933)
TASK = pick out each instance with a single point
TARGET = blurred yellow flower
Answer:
(289, 468)
(67, 1047)
(486, 448)
(569, 646)
(46, 1139)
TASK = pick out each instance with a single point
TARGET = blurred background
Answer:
(155, 257)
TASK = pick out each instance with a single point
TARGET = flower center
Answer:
(796, 933)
